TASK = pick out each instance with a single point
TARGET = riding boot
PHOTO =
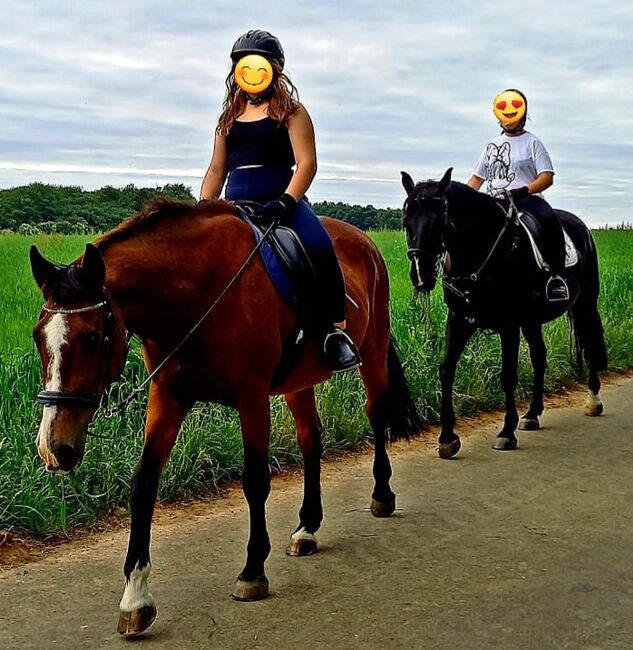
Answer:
(339, 351)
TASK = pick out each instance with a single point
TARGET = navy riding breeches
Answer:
(264, 184)
(553, 242)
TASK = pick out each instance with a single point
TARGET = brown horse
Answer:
(153, 276)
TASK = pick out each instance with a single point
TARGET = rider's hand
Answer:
(282, 208)
(519, 192)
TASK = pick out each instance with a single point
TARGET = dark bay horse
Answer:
(491, 281)
(153, 276)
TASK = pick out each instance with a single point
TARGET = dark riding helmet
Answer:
(258, 41)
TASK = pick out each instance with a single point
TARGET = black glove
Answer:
(519, 192)
(282, 208)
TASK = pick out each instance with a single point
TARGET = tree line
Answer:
(40, 208)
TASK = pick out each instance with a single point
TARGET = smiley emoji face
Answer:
(253, 74)
(509, 106)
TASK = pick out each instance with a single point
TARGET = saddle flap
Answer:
(535, 235)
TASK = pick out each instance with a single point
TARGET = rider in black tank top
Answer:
(264, 143)
(261, 142)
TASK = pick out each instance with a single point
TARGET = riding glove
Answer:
(519, 192)
(282, 208)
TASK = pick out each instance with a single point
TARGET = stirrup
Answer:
(556, 289)
(340, 351)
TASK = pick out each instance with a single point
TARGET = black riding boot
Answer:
(552, 245)
(340, 351)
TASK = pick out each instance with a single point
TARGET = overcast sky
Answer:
(96, 93)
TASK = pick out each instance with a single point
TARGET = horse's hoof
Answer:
(593, 410)
(246, 590)
(302, 543)
(448, 450)
(505, 444)
(529, 424)
(136, 622)
(383, 508)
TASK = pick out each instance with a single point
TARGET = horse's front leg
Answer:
(458, 333)
(506, 438)
(303, 407)
(254, 410)
(538, 355)
(163, 420)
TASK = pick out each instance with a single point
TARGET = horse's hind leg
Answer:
(302, 404)
(164, 417)
(510, 338)
(538, 355)
(383, 500)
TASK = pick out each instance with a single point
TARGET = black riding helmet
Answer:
(258, 41)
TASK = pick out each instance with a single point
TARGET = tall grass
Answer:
(209, 446)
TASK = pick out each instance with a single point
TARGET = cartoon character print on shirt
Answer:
(498, 174)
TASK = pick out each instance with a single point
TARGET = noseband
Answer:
(86, 400)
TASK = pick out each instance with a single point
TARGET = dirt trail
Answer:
(530, 549)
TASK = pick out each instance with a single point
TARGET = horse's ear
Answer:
(446, 179)
(44, 272)
(407, 183)
(93, 267)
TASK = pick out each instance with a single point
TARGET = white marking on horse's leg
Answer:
(593, 405)
(55, 333)
(303, 535)
(136, 594)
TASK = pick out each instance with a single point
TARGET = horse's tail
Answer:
(402, 417)
(585, 318)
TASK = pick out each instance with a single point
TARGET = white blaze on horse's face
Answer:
(55, 339)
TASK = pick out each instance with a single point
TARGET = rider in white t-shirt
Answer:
(517, 162)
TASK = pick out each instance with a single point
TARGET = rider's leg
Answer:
(552, 244)
(340, 351)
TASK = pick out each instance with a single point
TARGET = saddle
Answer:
(534, 232)
(291, 271)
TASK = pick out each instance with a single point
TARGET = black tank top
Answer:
(261, 142)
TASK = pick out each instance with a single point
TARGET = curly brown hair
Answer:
(284, 99)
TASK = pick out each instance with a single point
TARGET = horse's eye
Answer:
(91, 339)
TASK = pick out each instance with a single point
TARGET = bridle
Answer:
(413, 252)
(96, 400)
(104, 377)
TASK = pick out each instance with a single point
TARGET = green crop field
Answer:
(209, 446)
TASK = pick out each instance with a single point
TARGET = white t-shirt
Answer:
(509, 162)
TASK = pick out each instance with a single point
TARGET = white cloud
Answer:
(129, 91)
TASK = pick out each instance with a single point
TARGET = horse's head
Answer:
(82, 346)
(425, 221)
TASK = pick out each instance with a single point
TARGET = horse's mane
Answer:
(463, 198)
(159, 210)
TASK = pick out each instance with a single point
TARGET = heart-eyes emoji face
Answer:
(253, 74)
(509, 107)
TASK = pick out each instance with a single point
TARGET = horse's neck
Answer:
(162, 280)
(471, 235)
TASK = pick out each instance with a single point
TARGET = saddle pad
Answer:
(528, 222)
(276, 270)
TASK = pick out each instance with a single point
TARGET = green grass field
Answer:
(209, 447)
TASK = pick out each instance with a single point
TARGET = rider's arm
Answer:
(216, 173)
(475, 182)
(301, 134)
(541, 182)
